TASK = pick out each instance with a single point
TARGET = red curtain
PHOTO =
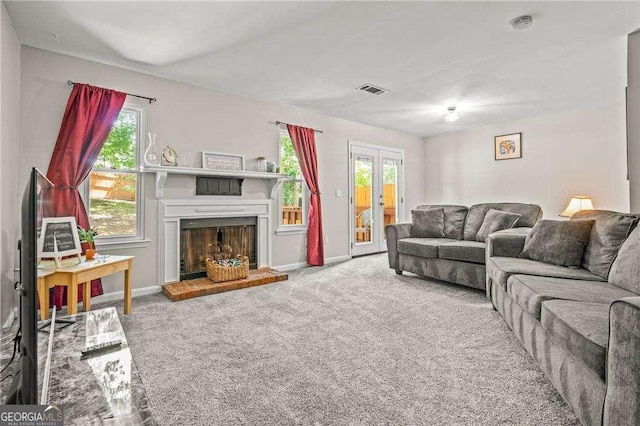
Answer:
(304, 144)
(88, 119)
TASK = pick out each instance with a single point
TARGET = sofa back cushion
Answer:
(427, 223)
(625, 271)
(559, 242)
(454, 217)
(529, 215)
(610, 230)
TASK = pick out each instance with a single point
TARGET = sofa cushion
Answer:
(625, 271)
(581, 327)
(495, 221)
(427, 223)
(423, 247)
(610, 230)
(501, 268)
(529, 215)
(454, 217)
(466, 251)
(558, 242)
(530, 291)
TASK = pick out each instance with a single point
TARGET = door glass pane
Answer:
(363, 170)
(390, 190)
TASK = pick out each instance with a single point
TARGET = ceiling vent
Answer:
(374, 90)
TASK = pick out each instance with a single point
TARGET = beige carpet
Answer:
(350, 343)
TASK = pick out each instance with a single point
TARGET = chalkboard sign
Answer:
(59, 237)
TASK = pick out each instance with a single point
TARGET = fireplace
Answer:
(200, 237)
(174, 212)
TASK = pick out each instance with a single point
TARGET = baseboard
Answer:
(299, 265)
(337, 259)
(11, 318)
(119, 295)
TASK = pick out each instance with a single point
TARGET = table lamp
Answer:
(577, 204)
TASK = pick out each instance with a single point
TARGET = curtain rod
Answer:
(151, 100)
(277, 123)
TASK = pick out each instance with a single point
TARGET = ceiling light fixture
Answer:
(521, 22)
(451, 115)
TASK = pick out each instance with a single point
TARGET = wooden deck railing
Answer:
(291, 215)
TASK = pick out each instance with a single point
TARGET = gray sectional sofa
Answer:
(457, 257)
(581, 325)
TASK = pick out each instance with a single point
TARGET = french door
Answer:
(376, 196)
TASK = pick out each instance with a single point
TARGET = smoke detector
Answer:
(521, 22)
(374, 90)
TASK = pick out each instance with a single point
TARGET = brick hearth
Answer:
(203, 286)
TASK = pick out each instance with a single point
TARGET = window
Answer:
(293, 191)
(114, 187)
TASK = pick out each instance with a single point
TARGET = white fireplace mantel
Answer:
(171, 211)
(273, 180)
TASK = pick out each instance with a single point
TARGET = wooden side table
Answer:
(71, 276)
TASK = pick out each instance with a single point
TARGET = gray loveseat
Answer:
(458, 257)
(581, 327)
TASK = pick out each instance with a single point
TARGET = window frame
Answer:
(126, 241)
(302, 228)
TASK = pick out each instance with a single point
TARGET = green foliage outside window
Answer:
(363, 173)
(390, 173)
(118, 151)
(289, 165)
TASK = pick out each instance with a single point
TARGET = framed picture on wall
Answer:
(507, 147)
(220, 161)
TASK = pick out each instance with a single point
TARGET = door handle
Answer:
(382, 203)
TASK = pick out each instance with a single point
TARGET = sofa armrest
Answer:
(394, 233)
(622, 401)
(506, 243)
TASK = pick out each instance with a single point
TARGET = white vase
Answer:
(151, 155)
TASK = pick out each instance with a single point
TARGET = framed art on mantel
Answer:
(508, 147)
(220, 161)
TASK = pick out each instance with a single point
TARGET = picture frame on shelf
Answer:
(508, 147)
(222, 161)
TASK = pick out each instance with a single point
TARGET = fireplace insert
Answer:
(200, 237)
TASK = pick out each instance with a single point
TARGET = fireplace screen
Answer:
(200, 237)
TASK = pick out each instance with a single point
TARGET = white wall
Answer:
(191, 118)
(9, 140)
(575, 153)
(633, 116)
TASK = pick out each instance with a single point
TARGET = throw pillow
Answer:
(625, 271)
(427, 223)
(496, 220)
(607, 235)
(558, 242)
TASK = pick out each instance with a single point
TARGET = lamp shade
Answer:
(577, 204)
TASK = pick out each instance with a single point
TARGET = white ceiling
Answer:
(313, 55)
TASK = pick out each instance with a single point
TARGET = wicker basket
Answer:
(218, 273)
